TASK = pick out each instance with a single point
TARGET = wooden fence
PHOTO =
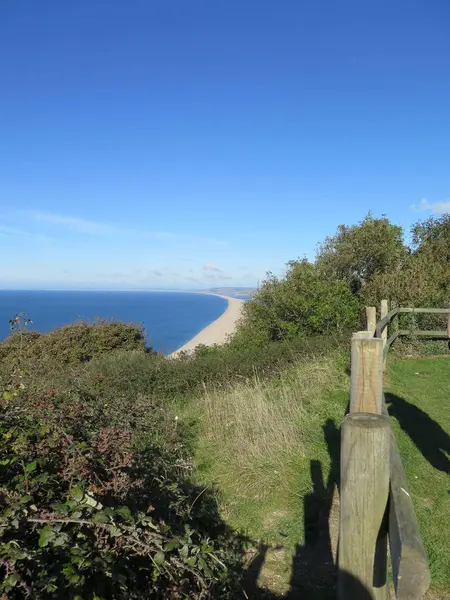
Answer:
(375, 502)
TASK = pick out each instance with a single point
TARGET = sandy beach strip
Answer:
(217, 331)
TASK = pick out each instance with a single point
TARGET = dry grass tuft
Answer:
(256, 429)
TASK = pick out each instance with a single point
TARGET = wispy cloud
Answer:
(441, 207)
(10, 230)
(167, 236)
(13, 232)
(211, 271)
(210, 268)
(73, 223)
(88, 226)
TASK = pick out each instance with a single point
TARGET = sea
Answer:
(170, 319)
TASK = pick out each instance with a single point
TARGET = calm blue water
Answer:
(170, 318)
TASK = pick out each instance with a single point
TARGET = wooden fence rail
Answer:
(375, 501)
(381, 328)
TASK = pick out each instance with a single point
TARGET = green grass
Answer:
(272, 450)
(260, 443)
(420, 409)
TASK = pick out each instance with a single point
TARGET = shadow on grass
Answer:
(313, 571)
(313, 568)
(428, 436)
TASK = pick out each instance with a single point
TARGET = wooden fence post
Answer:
(371, 316)
(365, 442)
(384, 309)
(366, 393)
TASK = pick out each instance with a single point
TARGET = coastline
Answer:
(218, 331)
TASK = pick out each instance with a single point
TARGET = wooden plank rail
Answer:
(384, 321)
(389, 342)
(375, 501)
(440, 334)
(409, 560)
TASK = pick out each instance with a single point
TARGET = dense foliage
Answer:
(356, 267)
(303, 303)
(95, 500)
(357, 253)
(424, 279)
(75, 343)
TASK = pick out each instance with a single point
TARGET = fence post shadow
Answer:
(427, 435)
(313, 571)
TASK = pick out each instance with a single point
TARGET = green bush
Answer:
(75, 343)
(120, 376)
(303, 303)
(373, 258)
(357, 253)
(95, 501)
(424, 280)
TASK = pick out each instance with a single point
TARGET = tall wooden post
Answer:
(371, 316)
(384, 309)
(366, 393)
(365, 443)
(366, 400)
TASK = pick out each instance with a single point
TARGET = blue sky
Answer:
(198, 143)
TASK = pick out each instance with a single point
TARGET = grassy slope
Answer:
(419, 391)
(259, 443)
(267, 447)
(272, 447)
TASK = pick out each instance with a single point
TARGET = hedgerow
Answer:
(95, 501)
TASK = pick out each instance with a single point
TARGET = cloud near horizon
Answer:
(210, 268)
(85, 253)
(438, 208)
(211, 271)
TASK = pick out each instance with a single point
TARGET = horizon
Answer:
(178, 290)
(143, 151)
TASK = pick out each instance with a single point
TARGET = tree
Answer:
(424, 279)
(357, 252)
(304, 302)
(431, 238)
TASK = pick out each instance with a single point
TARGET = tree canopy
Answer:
(356, 267)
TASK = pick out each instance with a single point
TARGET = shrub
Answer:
(431, 238)
(122, 378)
(303, 303)
(420, 283)
(356, 253)
(79, 342)
(92, 507)
(424, 280)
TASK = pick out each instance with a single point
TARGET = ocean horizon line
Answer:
(116, 290)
